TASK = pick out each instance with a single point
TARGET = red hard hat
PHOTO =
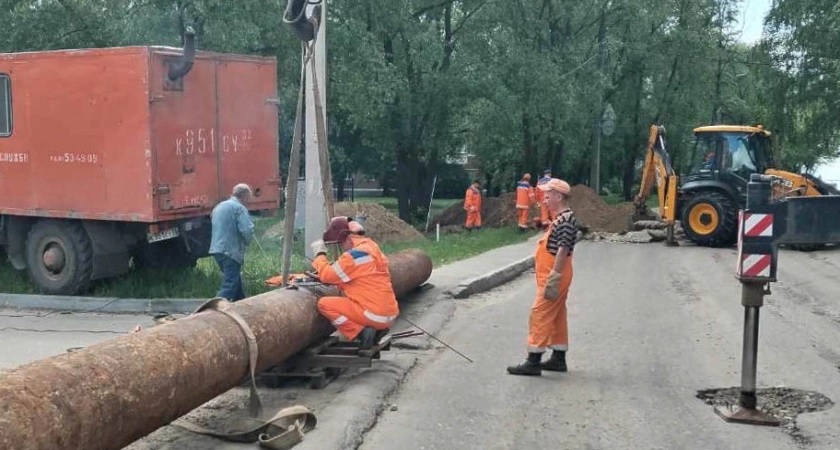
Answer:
(338, 230)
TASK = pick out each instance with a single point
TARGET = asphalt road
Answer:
(26, 336)
(650, 326)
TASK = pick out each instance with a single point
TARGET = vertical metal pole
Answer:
(751, 294)
(752, 298)
(595, 169)
(315, 200)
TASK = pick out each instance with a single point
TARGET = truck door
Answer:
(248, 122)
(185, 137)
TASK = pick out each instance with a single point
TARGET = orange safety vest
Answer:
(362, 275)
(472, 199)
(524, 194)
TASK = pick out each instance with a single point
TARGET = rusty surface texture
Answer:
(108, 395)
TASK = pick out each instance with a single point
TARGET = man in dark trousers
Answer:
(233, 232)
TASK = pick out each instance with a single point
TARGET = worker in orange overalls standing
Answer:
(472, 204)
(368, 306)
(547, 323)
(545, 215)
(524, 199)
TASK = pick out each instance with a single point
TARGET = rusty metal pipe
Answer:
(111, 394)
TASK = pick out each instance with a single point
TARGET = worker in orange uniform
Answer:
(547, 324)
(545, 216)
(472, 204)
(524, 199)
(368, 306)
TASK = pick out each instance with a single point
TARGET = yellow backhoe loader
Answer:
(706, 200)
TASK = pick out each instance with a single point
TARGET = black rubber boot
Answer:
(531, 366)
(366, 338)
(557, 362)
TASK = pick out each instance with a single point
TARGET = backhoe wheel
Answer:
(59, 257)
(710, 219)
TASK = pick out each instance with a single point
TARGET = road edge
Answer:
(491, 280)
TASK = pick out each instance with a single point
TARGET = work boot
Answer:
(557, 362)
(531, 366)
(366, 338)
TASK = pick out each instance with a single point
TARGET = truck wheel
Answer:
(59, 257)
(710, 219)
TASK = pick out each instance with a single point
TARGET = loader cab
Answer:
(715, 187)
(728, 155)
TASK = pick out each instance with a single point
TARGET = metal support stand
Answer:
(752, 297)
(670, 239)
(325, 361)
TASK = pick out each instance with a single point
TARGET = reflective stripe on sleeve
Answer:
(340, 272)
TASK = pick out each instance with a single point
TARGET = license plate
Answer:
(163, 235)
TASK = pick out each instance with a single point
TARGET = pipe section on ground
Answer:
(111, 394)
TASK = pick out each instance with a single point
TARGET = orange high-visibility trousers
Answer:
(350, 318)
(522, 217)
(473, 219)
(548, 323)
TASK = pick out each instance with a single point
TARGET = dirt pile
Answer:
(496, 212)
(592, 211)
(596, 214)
(380, 224)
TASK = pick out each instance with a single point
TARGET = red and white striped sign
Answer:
(758, 225)
(755, 265)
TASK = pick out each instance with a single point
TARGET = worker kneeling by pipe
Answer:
(369, 306)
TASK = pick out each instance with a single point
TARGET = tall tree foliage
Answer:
(517, 82)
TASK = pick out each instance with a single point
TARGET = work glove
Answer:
(552, 286)
(318, 247)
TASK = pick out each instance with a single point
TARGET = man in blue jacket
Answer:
(233, 231)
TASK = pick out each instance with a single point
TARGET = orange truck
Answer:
(114, 158)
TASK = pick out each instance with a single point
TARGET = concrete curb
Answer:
(100, 304)
(492, 279)
(476, 285)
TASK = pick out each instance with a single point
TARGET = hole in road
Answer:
(784, 404)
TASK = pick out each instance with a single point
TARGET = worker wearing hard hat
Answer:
(472, 205)
(524, 199)
(545, 215)
(553, 263)
(369, 306)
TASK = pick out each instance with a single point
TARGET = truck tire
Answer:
(59, 257)
(710, 219)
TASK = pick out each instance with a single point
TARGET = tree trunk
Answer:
(632, 147)
(529, 153)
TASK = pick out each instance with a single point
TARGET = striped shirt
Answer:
(564, 233)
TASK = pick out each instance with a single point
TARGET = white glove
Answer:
(318, 247)
(552, 286)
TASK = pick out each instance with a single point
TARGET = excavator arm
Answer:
(657, 170)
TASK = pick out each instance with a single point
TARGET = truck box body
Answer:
(114, 155)
(102, 134)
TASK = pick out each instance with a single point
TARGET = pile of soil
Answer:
(496, 212)
(592, 212)
(380, 224)
(596, 215)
